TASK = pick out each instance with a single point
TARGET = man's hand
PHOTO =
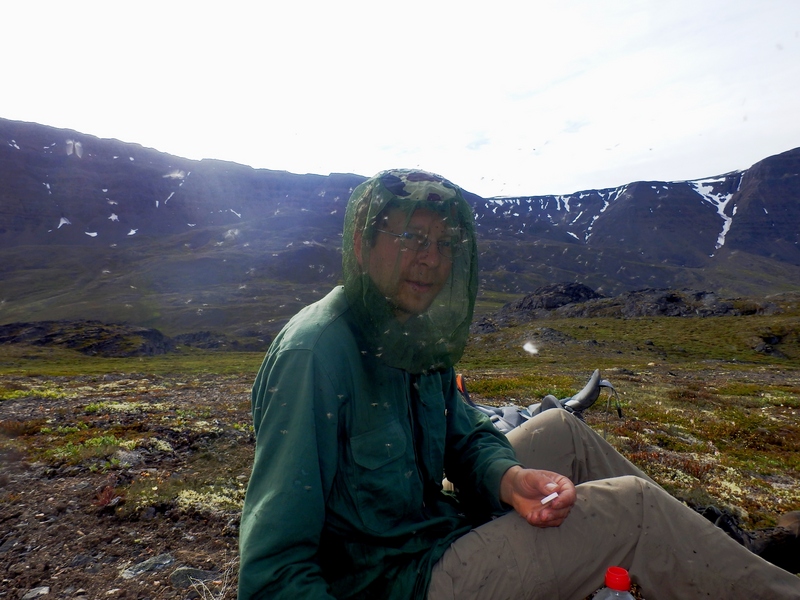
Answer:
(524, 489)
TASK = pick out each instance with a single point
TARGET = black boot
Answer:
(779, 545)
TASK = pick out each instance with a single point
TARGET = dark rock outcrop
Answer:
(114, 340)
(550, 297)
(89, 337)
(667, 303)
(571, 300)
(539, 304)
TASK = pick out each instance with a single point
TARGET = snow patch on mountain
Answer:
(74, 147)
(705, 187)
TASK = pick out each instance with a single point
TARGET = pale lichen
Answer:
(159, 445)
(213, 498)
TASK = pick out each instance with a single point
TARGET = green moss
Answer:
(36, 393)
(214, 480)
(71, 452)
(530, 386)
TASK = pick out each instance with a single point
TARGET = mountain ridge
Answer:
(92, 227)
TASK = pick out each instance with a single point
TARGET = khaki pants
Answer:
(621, 518)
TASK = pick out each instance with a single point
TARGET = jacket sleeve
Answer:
(295, 459)
(477, 456)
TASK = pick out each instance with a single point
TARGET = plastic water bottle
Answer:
(618, 585)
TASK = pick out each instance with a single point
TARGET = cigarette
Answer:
(550, 498)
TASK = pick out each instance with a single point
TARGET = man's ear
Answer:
(357, 246)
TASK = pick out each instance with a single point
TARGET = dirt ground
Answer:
(104, 520)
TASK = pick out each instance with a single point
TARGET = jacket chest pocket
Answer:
(383, 475)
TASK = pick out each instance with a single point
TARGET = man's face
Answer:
(409, 279)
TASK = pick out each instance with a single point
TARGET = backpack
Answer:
(506, 418)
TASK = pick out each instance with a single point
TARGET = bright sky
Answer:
(509, 97)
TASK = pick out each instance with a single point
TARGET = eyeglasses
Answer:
(415, 242)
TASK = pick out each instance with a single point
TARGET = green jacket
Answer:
(345, 497)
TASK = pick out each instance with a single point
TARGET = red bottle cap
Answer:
(618, 579)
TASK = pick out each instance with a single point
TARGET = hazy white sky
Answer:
(503, 97)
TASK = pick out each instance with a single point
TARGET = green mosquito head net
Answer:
(433, 339)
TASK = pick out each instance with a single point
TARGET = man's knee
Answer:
(536, 427)
(632, 483)
(618, 496)
(547, 441)
(553, 419)
(554, 424)
(549, 415)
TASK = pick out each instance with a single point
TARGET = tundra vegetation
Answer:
(109, 462)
